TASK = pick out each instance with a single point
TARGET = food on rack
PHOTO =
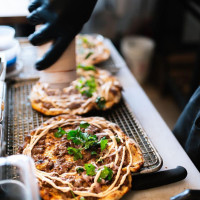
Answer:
(90, 49)
(94, 88)
(82, 158)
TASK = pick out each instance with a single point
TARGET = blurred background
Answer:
(160, 40)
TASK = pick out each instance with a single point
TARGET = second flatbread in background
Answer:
(90, 49)
(94, 89)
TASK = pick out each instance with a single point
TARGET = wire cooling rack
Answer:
(21, 119)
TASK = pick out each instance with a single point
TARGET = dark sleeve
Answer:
(187, 128)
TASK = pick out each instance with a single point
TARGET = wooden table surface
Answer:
(161, 136)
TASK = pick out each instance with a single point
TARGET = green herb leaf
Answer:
(71, 134)
(80, 138)
(60, 132)
(76, 152)
(87, 93)
(91, 83)
(80, 169)
(83, 136)
(85, 40)
(77, 141)
(106, 174)
(92, 137)
(103, 143)
(74, 135)
(88, 55)
(117, 139)
(82, 198)
(80, 83)
(86, 67)
(90, 169)
(90, 144)
(86, 86)
(100, 101)
(93, 153)
(73, 194)
(84, 124)
(91, 141)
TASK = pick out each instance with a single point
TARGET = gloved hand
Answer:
(62, 20)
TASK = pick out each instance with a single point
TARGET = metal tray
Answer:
(21, 119)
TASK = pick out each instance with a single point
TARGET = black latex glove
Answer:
(62, 20)
(187, 128)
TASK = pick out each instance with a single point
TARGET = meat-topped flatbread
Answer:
(94, 88)
(90, 49)
(86, 158)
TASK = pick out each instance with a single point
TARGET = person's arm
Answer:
(187, 128)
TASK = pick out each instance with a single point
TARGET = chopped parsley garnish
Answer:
(85, 40)
(86, 86)
(74, 135)
(73, 194)
(85, 140)
(86, 67)
(81, 82)
(76, 152)
(117, 139)
(90, 144)
(90, 169)
(80, 169)
(93, 153)
(87, 93)
(92, 141)
(84, 124)
(81, 138)
(92, 137)
(103, 143)
(91, 83)
(60, 132)
(106, 174)
(88, 55)
(100, 101)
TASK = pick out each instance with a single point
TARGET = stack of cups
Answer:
(9, 46)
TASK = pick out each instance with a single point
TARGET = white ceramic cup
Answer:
(63, 70)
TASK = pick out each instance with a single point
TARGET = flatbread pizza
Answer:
(82, 158)
(93, 89)
(90, 49)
